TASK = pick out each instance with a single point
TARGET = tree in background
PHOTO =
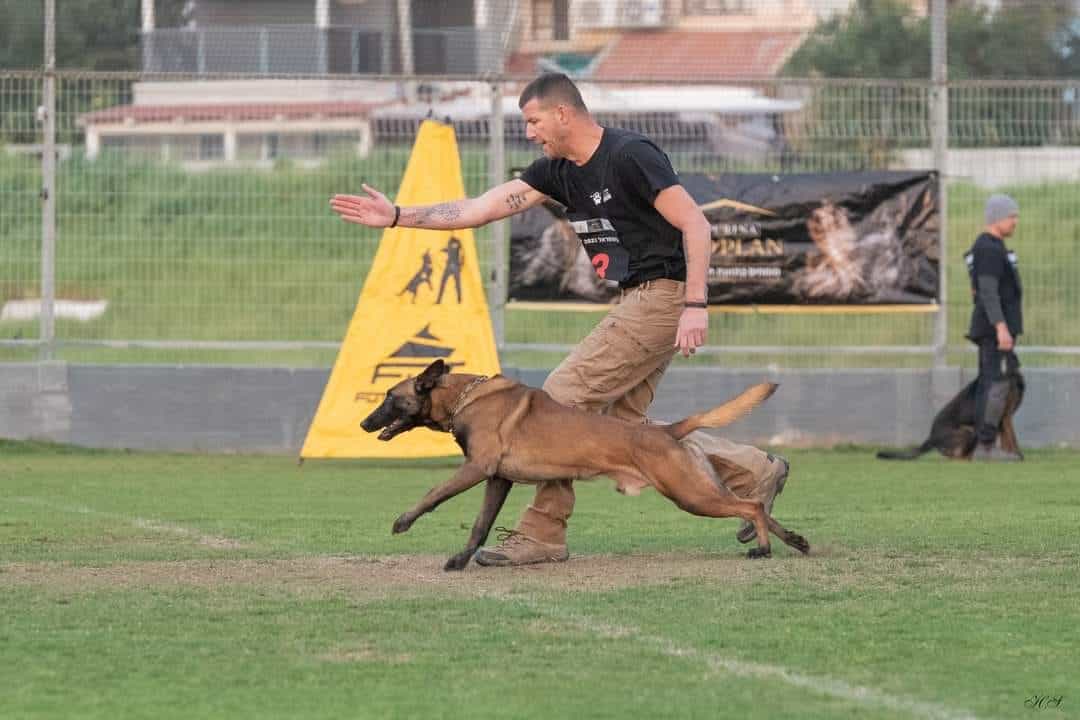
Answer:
(90, 34)
(876, 39)
(20, 34)
(886, 39)
(1021, 40)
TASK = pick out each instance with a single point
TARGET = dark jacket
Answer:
(995, 287)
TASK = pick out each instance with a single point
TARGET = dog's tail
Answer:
(907, 453)
(724, 414)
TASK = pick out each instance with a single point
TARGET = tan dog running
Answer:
(511, 433)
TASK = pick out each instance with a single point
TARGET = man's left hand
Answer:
(693, 328)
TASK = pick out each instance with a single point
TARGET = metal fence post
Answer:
(48, 190)
(939, 134)
(496, 172)
(408, 54)
(149, 23)
(322, 38)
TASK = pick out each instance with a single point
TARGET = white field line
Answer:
(719, 663)
(141, 523)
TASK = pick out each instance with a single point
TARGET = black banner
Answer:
(835, 238)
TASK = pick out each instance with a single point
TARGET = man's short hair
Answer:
(553, 88)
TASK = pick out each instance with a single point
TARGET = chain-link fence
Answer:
(190, 196)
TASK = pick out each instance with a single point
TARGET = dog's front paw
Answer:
(759, 553)
(403, 523)
(458, 562)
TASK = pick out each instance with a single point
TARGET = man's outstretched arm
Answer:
(375, 210)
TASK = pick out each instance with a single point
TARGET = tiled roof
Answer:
(522, 63)
(696, 55)
(228, 111)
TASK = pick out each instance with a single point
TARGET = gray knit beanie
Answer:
(999, 207)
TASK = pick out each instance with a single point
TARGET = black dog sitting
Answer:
(953, 431)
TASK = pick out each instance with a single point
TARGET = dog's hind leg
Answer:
(714, 504)
(494, 496)
(466, 477)
(792, 539)
(692, 490)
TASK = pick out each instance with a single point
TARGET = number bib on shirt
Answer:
(601, 242)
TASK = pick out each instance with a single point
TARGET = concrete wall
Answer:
(992, 168)
(238, 409)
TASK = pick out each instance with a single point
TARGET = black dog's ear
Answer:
(427, 380)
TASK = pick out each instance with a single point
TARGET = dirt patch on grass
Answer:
(364, 654)
(397, 575)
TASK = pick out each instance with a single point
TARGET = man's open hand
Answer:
(372, 210)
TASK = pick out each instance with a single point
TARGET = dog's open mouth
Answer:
(394, 429)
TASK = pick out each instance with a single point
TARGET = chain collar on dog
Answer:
(461, 400)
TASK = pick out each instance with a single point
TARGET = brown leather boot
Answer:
(541, 533)
(516, 548)
(771, 486)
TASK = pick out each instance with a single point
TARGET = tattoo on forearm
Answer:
(430, 214)
(515, 201)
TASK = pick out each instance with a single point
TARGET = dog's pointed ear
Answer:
(428, 379)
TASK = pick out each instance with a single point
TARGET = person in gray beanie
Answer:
(996, 321)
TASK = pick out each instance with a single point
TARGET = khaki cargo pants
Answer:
(615, 370)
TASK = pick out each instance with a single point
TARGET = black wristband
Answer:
(692, 304)
(397, 215)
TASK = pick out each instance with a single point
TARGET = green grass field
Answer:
(185, 586)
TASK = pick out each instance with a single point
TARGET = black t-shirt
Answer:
(609, 201)
(989, 257)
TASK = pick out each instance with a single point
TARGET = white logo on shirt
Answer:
(598, 198)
